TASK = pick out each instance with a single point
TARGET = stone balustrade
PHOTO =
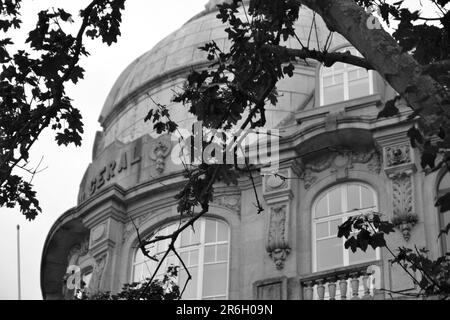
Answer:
(359, 282)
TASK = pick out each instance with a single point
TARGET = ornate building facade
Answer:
(337, 159)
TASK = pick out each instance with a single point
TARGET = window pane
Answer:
(322, 208)
(358, 88)
(210, 231)
(353, 75)
(334, 226)
(333, 94)
(445, 183)
(328, 81)
(222, 252)
(335, 201)
(139, 256)
(214, 279)
(191, 289)
(137, 273)
(329, 254)
(161, 246)
(322, 230)
(354, 201)
(191, 243)
(222, 232)
(185, 257)
(339, 78)
(186, 238)
(368, 200)
(193, 260)
(210, 254)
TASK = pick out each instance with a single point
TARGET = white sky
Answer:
(144, 24)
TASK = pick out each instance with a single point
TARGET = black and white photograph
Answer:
(221, 156)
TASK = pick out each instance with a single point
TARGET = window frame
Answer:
(200, 246)
(343, 215)
(345, 73)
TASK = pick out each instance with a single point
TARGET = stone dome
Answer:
(163, 69)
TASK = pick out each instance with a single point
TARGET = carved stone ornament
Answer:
(98, 233)
(400, 167)
(402, 187)
(405, 223)
(232, 202)
(278, 246)
(159, 152)
(397, 155)
(340, 163)
(277, 182)
(98, 273)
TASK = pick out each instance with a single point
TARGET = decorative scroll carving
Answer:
(160, 151)
(278, 246)
(340, 163)
(397, 155)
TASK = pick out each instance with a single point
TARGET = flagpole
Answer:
(18, 262)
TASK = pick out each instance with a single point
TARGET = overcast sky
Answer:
(144, 24)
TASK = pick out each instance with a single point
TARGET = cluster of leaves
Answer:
(243, 81)
(427, 39)
(163, 289)
(369, 230)
(239, 81)
(435, 274)
(364, 230)
(32, 87)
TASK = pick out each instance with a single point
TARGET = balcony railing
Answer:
(359, 282)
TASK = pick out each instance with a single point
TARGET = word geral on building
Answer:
(354, 163)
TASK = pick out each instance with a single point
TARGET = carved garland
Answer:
(404, 217)
(341, 162)
(278, 246)
(399, 166)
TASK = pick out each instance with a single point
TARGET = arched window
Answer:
(444, 218)
(204, 250)
(332, 209)
(344, 82)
